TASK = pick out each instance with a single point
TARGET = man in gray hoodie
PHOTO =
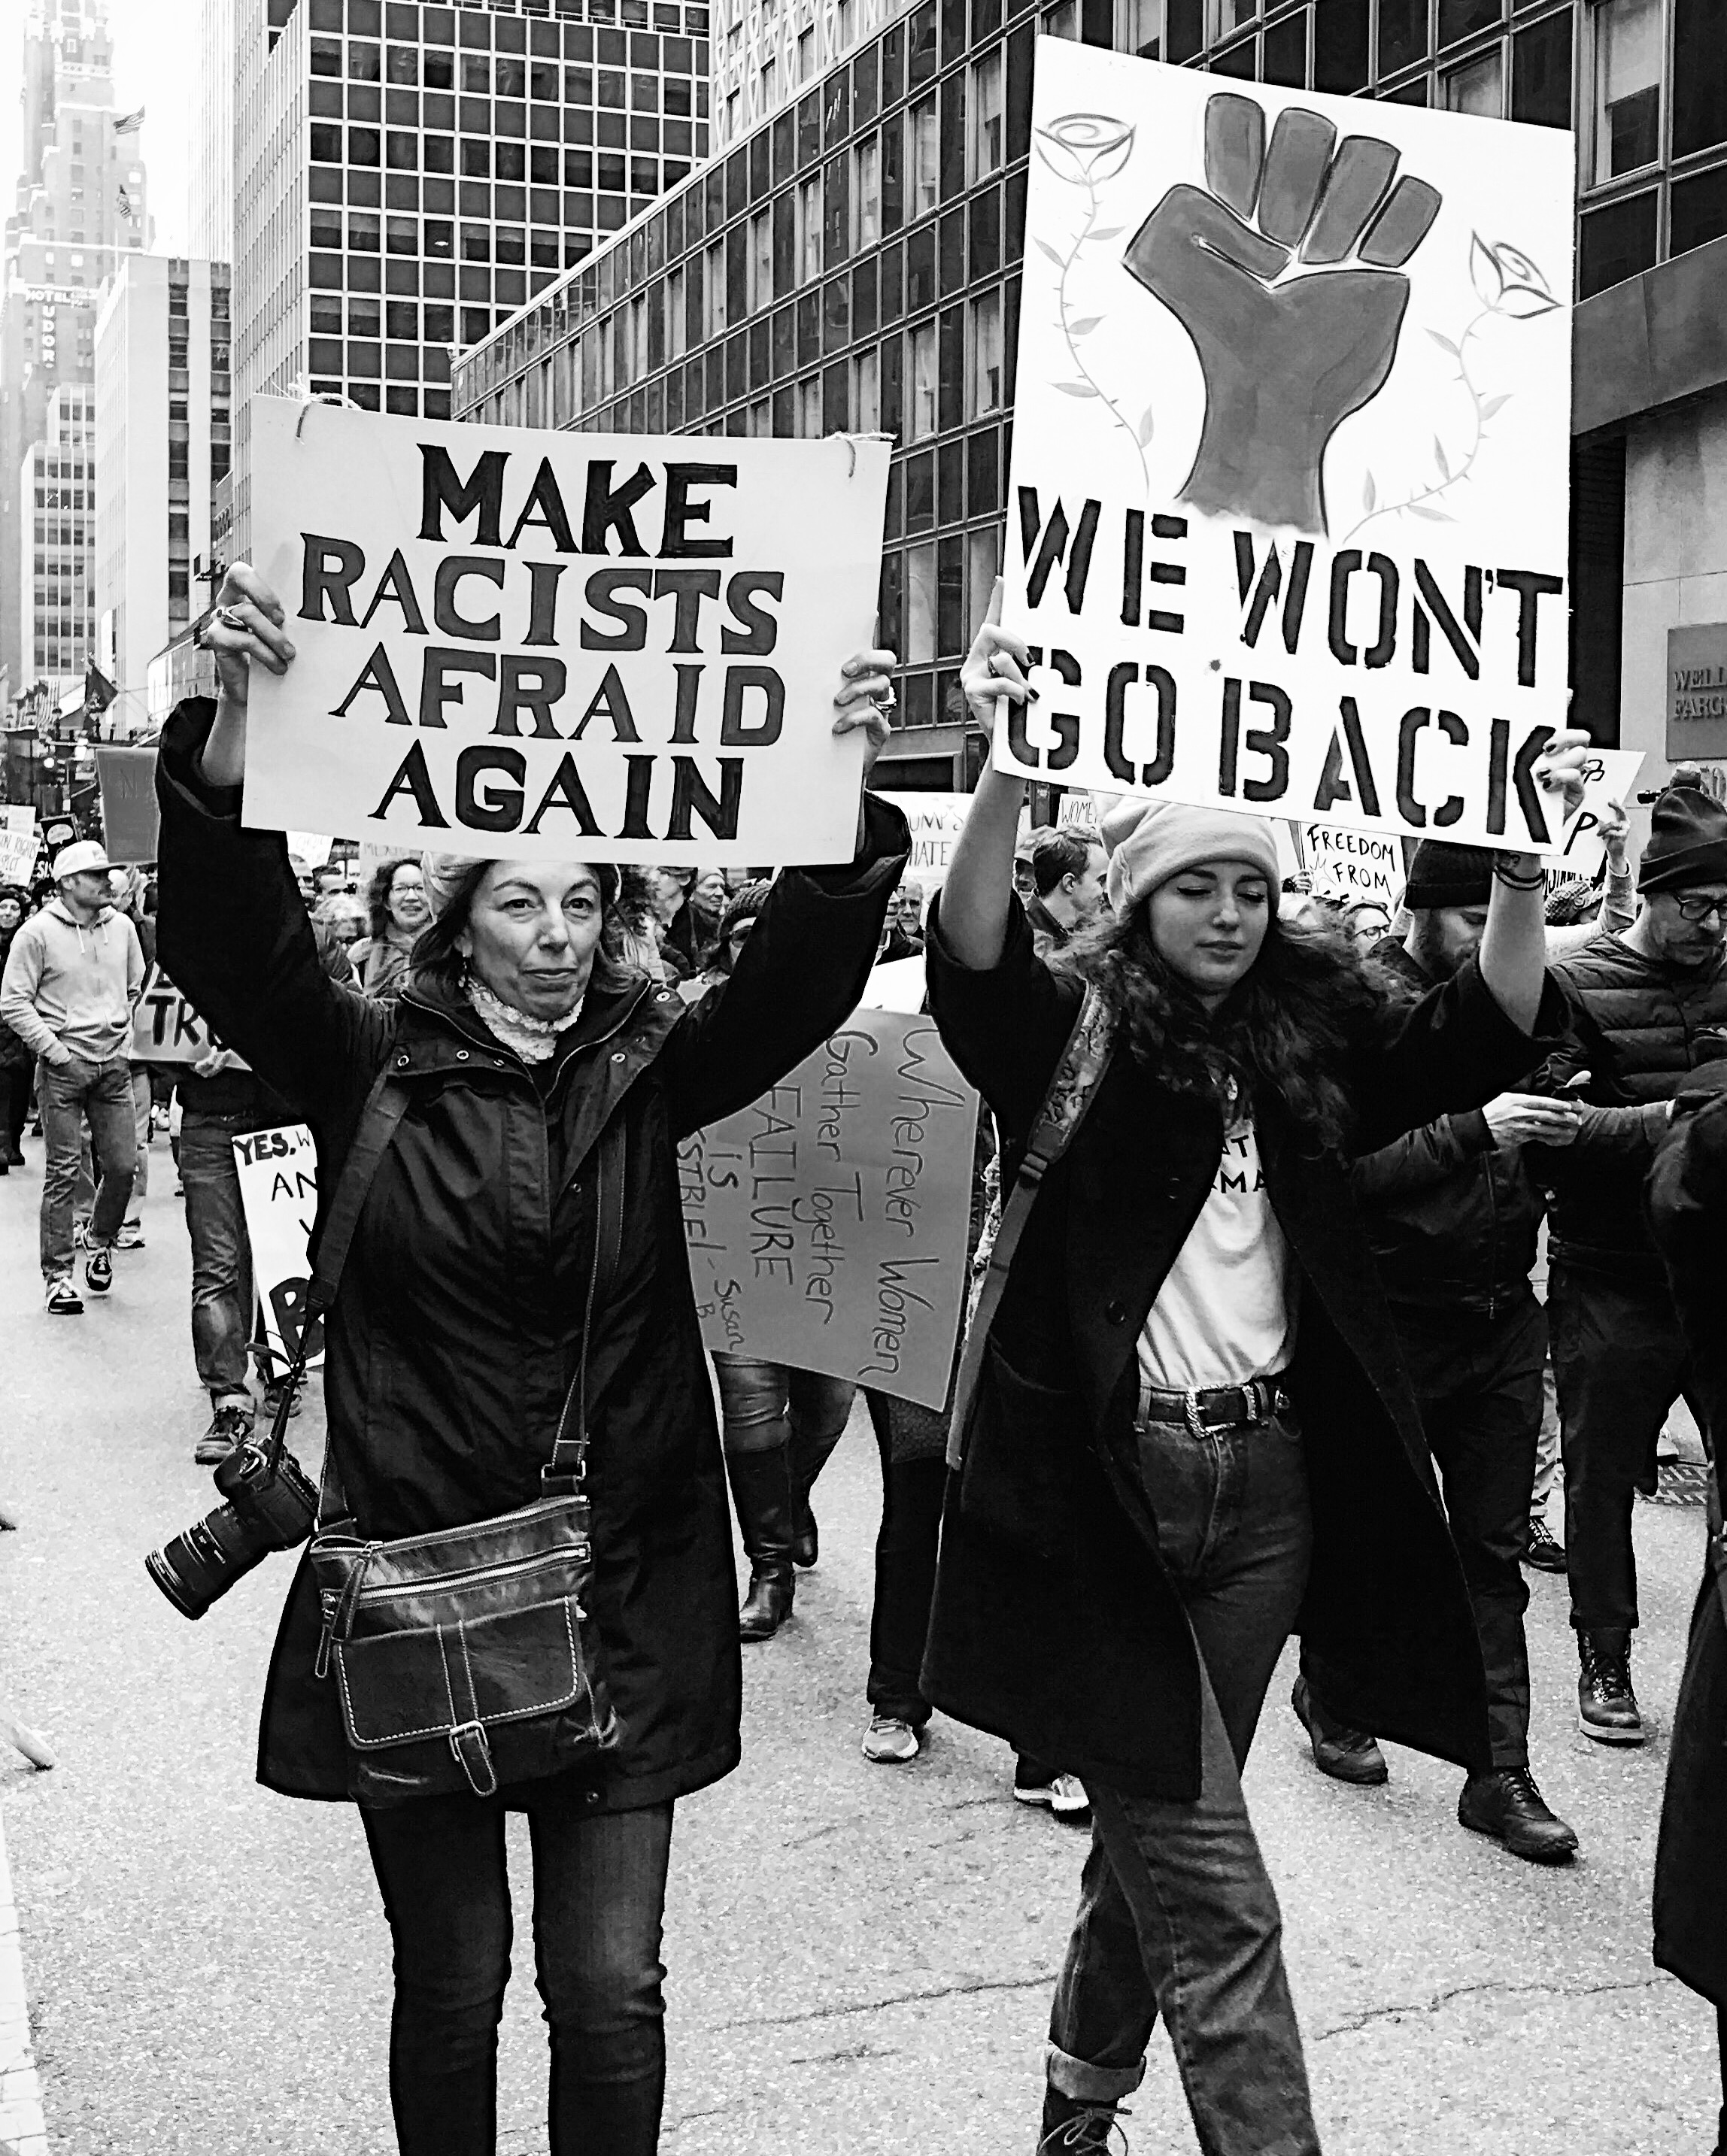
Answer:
(73, 974)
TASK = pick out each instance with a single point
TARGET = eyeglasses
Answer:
(1702, 908)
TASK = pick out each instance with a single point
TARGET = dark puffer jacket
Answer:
(1636, 1029)
(458, 1325)
(1452, 1216)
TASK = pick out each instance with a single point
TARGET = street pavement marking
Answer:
(23, 2130)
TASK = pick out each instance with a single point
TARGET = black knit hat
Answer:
(1688, 839)
(1448, 875)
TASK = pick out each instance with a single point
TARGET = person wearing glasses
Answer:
(1647, 1006)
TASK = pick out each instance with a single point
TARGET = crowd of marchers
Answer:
(1337, 1263)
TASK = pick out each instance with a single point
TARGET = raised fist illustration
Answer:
(1284, 363)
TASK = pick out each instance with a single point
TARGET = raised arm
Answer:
(1514, 949)
(977, 897)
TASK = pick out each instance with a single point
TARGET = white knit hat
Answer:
(1150, 841)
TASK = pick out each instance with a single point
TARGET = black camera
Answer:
(269, 1505)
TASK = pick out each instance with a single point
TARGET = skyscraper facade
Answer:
(407, 176)
(162, 408)
(212, 174)
(80, 207)
(852, 262)
(766, 53)
(56, 598)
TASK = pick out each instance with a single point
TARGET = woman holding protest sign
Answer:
(1189, 1424)
(519, 1253)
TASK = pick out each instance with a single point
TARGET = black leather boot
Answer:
(762, 1492)
(1606, 1705)
(1507, 1804)
(1346, 1754)
(811, 1452)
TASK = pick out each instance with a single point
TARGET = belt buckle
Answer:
(1191, 1405)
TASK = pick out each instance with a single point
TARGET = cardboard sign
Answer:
(131, 823)
(19, 845)
(936, 819)
(165, 1027)
(541, 645)
(1345, 864)
(1287, 514)
(826, 1223)
(278, 1192)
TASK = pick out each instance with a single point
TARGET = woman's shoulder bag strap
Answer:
(1084, 1060)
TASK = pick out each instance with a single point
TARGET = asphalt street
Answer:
(861, 1957)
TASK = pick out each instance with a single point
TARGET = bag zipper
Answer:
(453, 1582)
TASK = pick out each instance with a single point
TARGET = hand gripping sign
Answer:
(1288, 515)
(518, 643)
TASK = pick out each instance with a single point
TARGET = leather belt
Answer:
(1225, 1407)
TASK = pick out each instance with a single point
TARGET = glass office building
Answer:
(852, 264)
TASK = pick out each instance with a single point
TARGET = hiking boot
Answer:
(99, 1272)
(64, 1300)
(1346, 1754)
(1072, 2127)
(230, 1425)
(1606, 1705)
(1507, 1804)
(890, 1742)
(1544, 1552)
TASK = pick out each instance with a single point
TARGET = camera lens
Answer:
(198, 1568)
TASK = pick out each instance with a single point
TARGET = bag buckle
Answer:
(473, 1755)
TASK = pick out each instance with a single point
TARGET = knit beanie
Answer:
(1150, 841)
(1448, 875)
(1688, 839)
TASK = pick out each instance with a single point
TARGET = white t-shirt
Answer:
(1226, 1312)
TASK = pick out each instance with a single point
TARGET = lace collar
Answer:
(534, 1039)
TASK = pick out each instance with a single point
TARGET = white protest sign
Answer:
(278, 1174)
(514, 643)
(1288, 518)
(311, 847)
(165, 1027)
(826, 1223)
(17, 845)
(1610, 775)
(1345, 864)
(898, 986)
(936, 819)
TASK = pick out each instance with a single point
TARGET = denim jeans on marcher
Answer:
(1177, 1915)
(68, 1092)
(221, 1254)
(598, 1899)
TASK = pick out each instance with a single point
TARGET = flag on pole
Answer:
(129, 123)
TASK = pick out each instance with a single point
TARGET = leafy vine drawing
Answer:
(1084, 148)
(1510, 287)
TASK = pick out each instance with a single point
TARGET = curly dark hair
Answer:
(378, 894)
(1288, 1027)
(435, 954)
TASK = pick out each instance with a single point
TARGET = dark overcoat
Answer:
(1055, 1624)
(1687, 1216)
(460, 1319)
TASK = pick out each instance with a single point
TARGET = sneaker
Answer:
(890, 1742)
(1606, 1705)
(1544, 1552)
(1507, 1804)
(131, 1236)
(1346, 1754)
(1071, 2127)
(64, 1300)
(1068, 1800)
(230, 1425)
(99, 1272)
(81, 1234)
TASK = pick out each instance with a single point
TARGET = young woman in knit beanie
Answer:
(1192, 1432)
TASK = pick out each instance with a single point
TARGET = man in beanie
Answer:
(1649, 1007)
(1453, 1214)
(73, 972)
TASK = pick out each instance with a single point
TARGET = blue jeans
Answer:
(599, 1897)
(70, 1092)
(1177, 1915)
(221, 1254)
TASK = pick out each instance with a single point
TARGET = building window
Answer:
(809, 231)
(1139, 28)
(675, 315)
(920, 605)
(761, 261)
(1627, 86)
(866, 393)
(921, 418)
(866, 194)
(983, 371)
(1478, 88)
(806, 55)
(922, 158)
(986, 118)
(809, 408)
(1700, 77)
(715, 263)
(767, 86)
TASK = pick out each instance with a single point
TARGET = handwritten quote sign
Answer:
(519, 643)
(826, 1223)
(1345, 864)
(1288, 512)
(165, 1027)
(19, 845)
(278, 1172)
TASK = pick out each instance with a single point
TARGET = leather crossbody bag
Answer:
(467, 1658)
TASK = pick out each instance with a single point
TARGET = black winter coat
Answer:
(1687, 1199)
(1453, 1217)
(1636, 1027)
(1055, 1624)
(459, 1323)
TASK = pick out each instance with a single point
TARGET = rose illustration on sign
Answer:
(1085, 149)
(1285, 358)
